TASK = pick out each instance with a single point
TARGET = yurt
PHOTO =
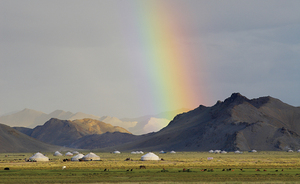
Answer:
(149, 156)
(116, 152)
(223, 152)
(75, 152)
(91, 156)
(253, 151)
(211, 151)
(298, 151)
(162, 152)
(217, 151)
(39, 157)
(290, 150)
(172, 152)
(134, 152)
(69, 154)
(77, 157)
(57, 153)
(140, 152)
(237, 151)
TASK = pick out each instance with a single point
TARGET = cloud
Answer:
(81, 55)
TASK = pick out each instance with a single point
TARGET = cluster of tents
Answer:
(88, 157)
(162, 152)
(219, 151)
(137, 152)
(37, 157)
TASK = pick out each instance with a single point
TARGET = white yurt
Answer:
(140, 152)
(298, 151)
(290, 150)
(77, 157)
(253, 151)
(69, 154)
(211, 151)
(237, 151)
(217, 151)
(91, 156)
(39, 157)
(162, 152)
(57, 153)
(134, 152)
(75, 152)
(223, 152)
(172, 152)
(116, 152)
(149, 156)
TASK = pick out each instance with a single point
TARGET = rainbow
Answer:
(166, 57)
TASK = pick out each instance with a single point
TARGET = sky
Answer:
(129, 58)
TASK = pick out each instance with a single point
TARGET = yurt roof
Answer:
(75, 152)
(91, 156)
(172, 152)
(57, 153)
(77, 157)
(150, 156)
(69, 154)
(39, 157)
(116, 152)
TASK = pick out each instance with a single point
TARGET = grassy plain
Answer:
(280, 167)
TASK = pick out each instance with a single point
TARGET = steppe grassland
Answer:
(178, 160)
(93, 171)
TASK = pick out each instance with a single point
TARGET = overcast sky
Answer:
(77, 55)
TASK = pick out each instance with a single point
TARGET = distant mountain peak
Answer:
(30, 110)
(236, 97)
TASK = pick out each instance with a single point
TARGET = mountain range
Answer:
(237, 123)
(29, 118)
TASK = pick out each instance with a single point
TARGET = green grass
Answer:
(93, 171)
(148, 175)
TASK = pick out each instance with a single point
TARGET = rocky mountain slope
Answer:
(12, 141)
(237, 123)
(100, 141)
(65, 132)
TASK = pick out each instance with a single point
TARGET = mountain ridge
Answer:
(13, 141)
(237, 123)
(29, 118)
(65, 132)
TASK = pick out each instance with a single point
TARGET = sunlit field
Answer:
(183, 167)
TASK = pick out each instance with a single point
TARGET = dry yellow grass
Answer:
(178, 160)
